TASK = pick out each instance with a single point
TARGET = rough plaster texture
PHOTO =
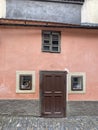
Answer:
(20, 107)
(82, 108)
(21, 50)
(44, 11)
(33, 108)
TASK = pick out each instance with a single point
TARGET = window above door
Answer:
(51, 41)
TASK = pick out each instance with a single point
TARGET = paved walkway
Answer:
(36, 123)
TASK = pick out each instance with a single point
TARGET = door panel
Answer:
(47, 105)
(53, 93)
(58, 104)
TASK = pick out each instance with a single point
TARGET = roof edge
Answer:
(33, 23)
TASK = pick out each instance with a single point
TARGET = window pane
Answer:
(46, 42)
(46, 48)
(55, 42)
(25, 82)
(46, 36)
(55, 37)
(76, 83)
(55, 49)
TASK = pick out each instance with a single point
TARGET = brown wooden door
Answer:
(53, 93)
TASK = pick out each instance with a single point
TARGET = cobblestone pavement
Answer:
(37, 123)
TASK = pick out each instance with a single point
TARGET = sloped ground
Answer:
(37, 123)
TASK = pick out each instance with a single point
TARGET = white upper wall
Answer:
(89, 12)
(2, 8)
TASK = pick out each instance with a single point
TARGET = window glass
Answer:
(51, 41)
(25, 81)
(76, 82)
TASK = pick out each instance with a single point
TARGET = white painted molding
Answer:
(18, 73)
(69, 82)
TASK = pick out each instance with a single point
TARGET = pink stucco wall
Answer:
(20, 49)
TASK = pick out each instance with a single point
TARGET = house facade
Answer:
(48, 63)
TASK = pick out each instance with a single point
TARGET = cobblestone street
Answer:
(36, 123)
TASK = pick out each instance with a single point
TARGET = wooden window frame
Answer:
(50, 45)
(18, 82)
(83, 84)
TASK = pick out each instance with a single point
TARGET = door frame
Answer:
(65, 89)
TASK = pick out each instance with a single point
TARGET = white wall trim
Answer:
(2, 8)
(18, 73)
(69, 82)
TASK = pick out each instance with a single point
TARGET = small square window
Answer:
(25, 81)
(76, 82)
(50, 41)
